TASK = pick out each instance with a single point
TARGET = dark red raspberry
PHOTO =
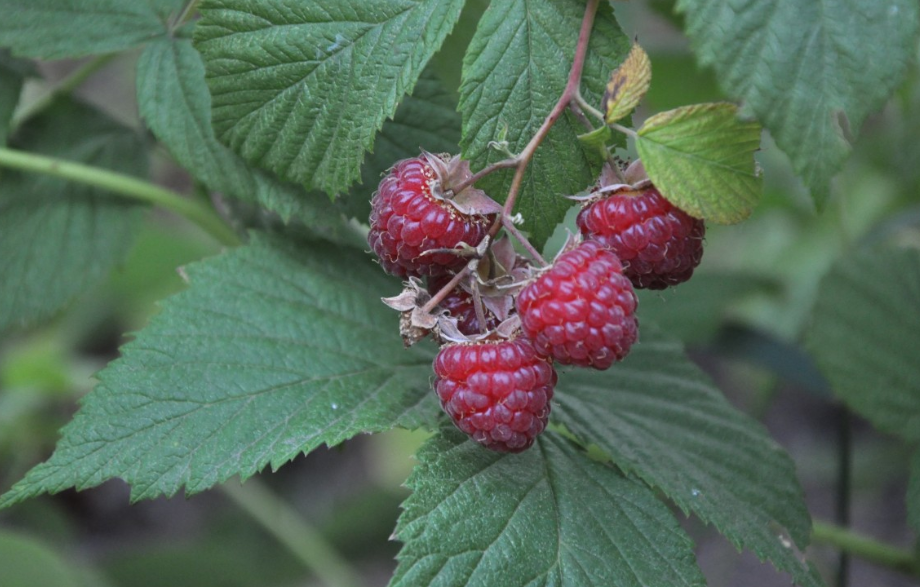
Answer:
(459, 303)
(582, 310)
(496, 391)
(407, 220)
(658, 244)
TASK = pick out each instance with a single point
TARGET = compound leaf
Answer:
(57, 239)
(54, 29)
(810, 71)
(301, 88)
(514, 72)
(660, 418)
(701, 158)
(273, 350)
(548, 516)
(174, 101)
(865, 334)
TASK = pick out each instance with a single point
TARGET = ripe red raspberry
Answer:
(460, 305)
(658, 244)
(407, 219)
(582, 310)
(496, 391)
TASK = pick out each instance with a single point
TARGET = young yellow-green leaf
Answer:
(549, 516)
(54, 29)
(302, 87)
(660, 418)
(12, 76)
(273, 350)
(865, 334)
(628, 85)
(57, 238)
(174, 101)
(427, 119)
(597, 139)
(701, 158)
(810, 71)
(514, 72)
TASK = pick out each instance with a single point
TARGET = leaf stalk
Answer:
(866, 548)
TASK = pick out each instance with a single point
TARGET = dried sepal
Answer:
(454, 171)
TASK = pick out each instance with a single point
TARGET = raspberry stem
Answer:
(442, 293)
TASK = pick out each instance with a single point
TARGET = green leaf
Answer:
(696, 310)
(660, 418)
(913, 493)
(301, 88)
(628, 85)
(701, 158)
(274, 350)
(865, 334)
(57, 239)
(427, 119)
(12, 76)
(810, 71)
(547, 516)
(25, 562)
(54, 29)
(174, 101)
(514, 72)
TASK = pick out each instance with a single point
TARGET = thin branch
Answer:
(511, 229)
(626, 131)
(580, 100)
(125, 186)
(289, 528)
(869, 549)
(442, 293)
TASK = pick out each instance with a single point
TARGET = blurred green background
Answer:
(742, 316)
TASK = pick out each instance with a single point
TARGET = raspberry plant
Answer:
(301, 123)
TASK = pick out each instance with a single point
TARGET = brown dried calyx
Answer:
(452, 171)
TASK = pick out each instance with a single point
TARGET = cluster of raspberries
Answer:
(578, 311)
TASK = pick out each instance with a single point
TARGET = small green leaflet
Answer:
(549, 516)
(660, 418)
(628, 85)
(810, 71)
(57, 239)
(701, 158)
(514, 72)
(427, 119)
(865, 334)
(54, 29)
(302, 87)
(12, 75)
(273, 350)
(174, 101)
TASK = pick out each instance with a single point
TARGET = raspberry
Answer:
(658, 244)
(460, 305)
(407, 219)
(581, 311)
(496, 391)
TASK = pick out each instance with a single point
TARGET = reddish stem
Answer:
(442, 293)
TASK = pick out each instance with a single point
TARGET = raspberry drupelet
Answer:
(496, 391)
(581, 311)
(658, 244)
(408, 218)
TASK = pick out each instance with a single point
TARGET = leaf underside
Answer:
(548, 516)
(514, 72)
(272, 351)
(810, 71)
(660, 418)
(302, 88)
(865, 334)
